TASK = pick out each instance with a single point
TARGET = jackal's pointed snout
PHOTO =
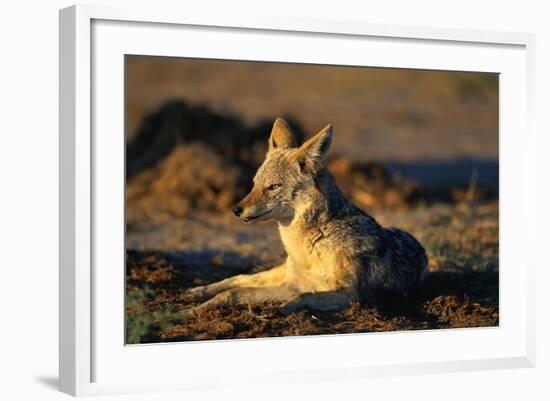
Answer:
(237, 211)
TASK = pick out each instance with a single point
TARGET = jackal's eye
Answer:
(273, 187)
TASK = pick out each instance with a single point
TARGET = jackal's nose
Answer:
(237, 210)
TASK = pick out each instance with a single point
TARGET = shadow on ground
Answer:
(52, 382)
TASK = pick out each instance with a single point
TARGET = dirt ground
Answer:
(461, 289)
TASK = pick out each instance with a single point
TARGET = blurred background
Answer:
(379, 114)
(436, 129)
(417, 149)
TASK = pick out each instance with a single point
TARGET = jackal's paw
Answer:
(196, 294)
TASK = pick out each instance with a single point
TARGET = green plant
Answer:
(143, 317)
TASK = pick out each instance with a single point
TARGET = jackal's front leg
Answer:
(268, 278)
(246, 296)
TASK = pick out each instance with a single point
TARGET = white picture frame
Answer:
(92, 351)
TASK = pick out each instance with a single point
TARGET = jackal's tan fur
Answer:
(336, 253)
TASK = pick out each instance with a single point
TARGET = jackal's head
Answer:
(286, 178)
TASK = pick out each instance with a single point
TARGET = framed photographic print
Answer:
(278, 199)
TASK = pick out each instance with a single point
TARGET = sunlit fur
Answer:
(336, 253)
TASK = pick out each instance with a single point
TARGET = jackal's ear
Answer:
(312, 155)
(281, 136)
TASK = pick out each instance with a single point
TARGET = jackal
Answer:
(336, 253)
